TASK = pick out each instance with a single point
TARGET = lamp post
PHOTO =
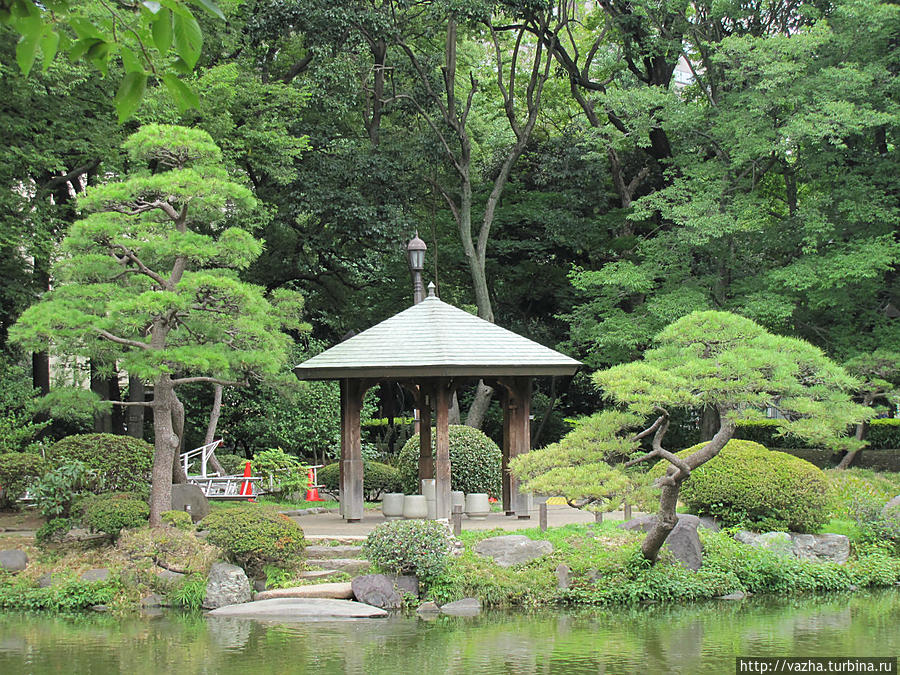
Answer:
(415, 252)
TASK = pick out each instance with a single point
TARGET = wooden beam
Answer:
(516, 399)
(426, 458)
(442, 449)
(352, 392)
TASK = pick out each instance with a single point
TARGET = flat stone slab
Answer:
(512, 549)
(348, 565)
(300, 609)
(329, 552)
(464, 607)
(13, 560)
(340, 591)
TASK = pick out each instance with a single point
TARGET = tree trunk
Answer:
(165, 447)
(453, 416)
(100, 387)
(117, 416)
(709, 423)
(480, 405)
(211, 428)
(860, 435)
(179, 475)
(136, 393)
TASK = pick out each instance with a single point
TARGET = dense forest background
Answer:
(583, 173)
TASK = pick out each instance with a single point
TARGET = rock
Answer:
(327, 552)
(382, 590)
(49, 579)
(151, 601)
(464, 607)
(13, 560)
(683, 541)
(563, 577)
(512, 549)
(300, 609)
(100, 608)
(259, 585)
(428, 608)
(777, 542)
(892, 507)
(708, 523)
(190, 498)
(227, 585)
(99, 574)
(821, 547)
(339, 591)
(349, 565)
(168, 576)
(737, 595)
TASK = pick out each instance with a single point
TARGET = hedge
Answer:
(18, 470)
(378, 478)
(123, 461)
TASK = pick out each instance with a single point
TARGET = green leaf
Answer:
(129, 95)
(31, 29)
(210, 7)
(188, 39)
(49, 47)
(130, 61)
(162, 31)
(184, 97)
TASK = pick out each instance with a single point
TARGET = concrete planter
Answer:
(458, 498)
(477, 505)
(428, 489)
(415, 506)
(392, 505)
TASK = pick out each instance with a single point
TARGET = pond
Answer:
(701, 638)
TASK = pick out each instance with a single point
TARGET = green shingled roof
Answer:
(434, 339)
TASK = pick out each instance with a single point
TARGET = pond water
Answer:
(701, 638)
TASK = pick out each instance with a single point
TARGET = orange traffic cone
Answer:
(312, 492)
(247, 487)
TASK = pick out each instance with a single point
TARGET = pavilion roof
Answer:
(435, 339)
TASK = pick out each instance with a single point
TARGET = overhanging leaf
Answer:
(129, 95)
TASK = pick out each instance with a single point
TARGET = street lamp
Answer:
(415, 251)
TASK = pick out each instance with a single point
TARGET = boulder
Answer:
(300, 609)
(429, 608)
(151, 601)
(815, 547)
(190, 498)
(464, 607)
(381, 590)
(512, 549)
(99, 574)
(13, 560)
(563, 577)
(737, 595)
(226, 585)
(50, 579)
(683, 541)
(892, 507)
(337, 591)
(777, 542)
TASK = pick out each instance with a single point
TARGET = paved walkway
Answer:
(320, 524)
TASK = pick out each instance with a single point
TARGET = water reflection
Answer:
(687, 639)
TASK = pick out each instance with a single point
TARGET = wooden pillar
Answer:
(426, 458)
(352, 392)
(442, 449)
(517, 439)
(504, 468)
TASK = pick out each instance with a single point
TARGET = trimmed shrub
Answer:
(253, 537)
(169, 548)
(750, 486)
(475, 462)
(884, 433)
(18, 470)
(52, 531)
(378, 478)
(123, 461)
(111, 513)
(233, 464)
(177, 519)
(420, 547)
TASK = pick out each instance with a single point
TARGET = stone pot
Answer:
(415, 506)
(457, 498)
(428, 489)
(477, 506)
(392, 505)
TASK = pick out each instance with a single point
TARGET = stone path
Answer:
(298, 609)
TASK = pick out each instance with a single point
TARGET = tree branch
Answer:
(122, 341)
(214, 380)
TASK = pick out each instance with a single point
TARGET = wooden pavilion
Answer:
(431, 348)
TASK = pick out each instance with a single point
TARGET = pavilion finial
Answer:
(431, 290)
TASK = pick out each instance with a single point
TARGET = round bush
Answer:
(123, 461)
(378, 478)
(253, 537)
(420, 547)
(111, 513)
(748, 485)
(18, 470)
(178, 519)
(475, 462)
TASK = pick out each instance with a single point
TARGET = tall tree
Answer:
(150, 277)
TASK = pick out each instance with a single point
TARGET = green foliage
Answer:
(877, 523)
(883, 433)
(287, 473)
(17, 425)
(749, 486)
(254, 536)
(191, 592)
(419, 547)
(58, 490)
(378, 478)
(111, 513)
(52, 531)
(177, 519)
(72, 595)
(233, 464)
(19, 470)
(848, 485)
(123, 461)
(474, 462)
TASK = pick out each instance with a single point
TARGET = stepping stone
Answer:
(330, 539)
(316, 574)
(328, 552)
(348, 565)
(13, 560)
(339, 591)
(464, 607)
(300, 609)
